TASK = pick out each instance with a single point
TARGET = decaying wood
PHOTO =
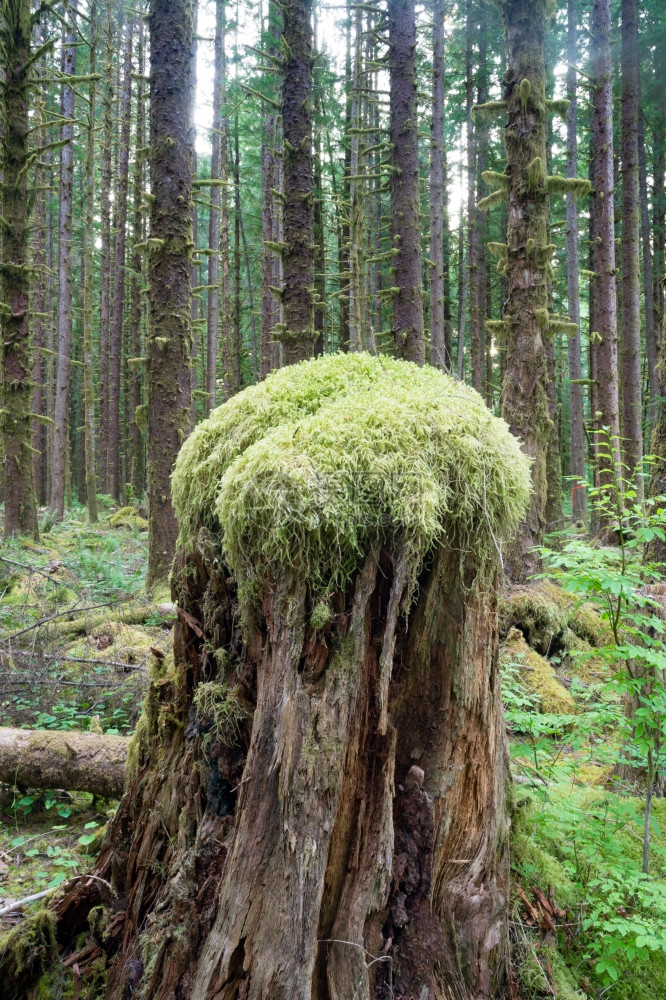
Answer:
(84, 762)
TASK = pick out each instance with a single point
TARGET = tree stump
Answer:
(317, 804)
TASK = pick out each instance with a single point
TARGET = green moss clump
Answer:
(538, 675)
(30, 945)
(320, 616)
(222, 711)
(304, 472)
(127, 517)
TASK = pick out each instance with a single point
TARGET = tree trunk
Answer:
(64, 337)
(212, 328)
(105, 257)
(136, 372)
(651, 346)
(297, 330)
(405, 208)
(317, 804)
(632, 402)
(89, 248)
(268, 291)
(657, 548)
(120, 205)
(169, 341)
(576, 416)
(481, 226)
(78, 762)
(439, 355)
(603, 242)
(525, 398)
(40, 312)
(17, 390)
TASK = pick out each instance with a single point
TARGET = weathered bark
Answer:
(297, 330)
(576, 417)
(78, 762)
(632, 401)
(525, 398)
(64, 336)
(120, 205)
(15, 419)
(213, 325)
(439, 355)
(405, 212)
(89, 247)
(389, 838)
(169, 340)
(603, 242)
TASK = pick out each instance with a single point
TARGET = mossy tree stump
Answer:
(317, 802)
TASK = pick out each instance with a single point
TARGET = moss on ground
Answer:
(303, 472)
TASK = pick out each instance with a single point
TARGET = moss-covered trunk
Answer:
(317, 798)
(15, 417)
(169, 268)
(405, 208)
(297, 330)
(59, 461)
(525, 397)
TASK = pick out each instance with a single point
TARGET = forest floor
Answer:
(75, 631)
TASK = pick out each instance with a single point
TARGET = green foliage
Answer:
(305, 472)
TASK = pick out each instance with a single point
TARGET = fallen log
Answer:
(79, 762)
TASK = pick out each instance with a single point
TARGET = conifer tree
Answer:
(296, 332)
(405, 210)
(15, 417)
(169, 267)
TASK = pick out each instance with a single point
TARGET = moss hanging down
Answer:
(305, 471)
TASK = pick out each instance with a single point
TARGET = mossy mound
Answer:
(551, 619)
(305, 471)
(538, 675)
(128, 517)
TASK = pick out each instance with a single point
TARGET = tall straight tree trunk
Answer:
(603, 241)
(659, 182)
(481, 145)
(64, 336)
(170, 245)
(105, 261)
(472, 231)
(268, 290)
(651, 348)
(297, 329)
(89, 250)
(116, 345)
(40, 305)
(19, 483)
(356, 258)
(576, 416)
(136, 371)
(213, 325)
(632, 408)
(437, 194)
(525, 399)
(237, 334)
(405, 211)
